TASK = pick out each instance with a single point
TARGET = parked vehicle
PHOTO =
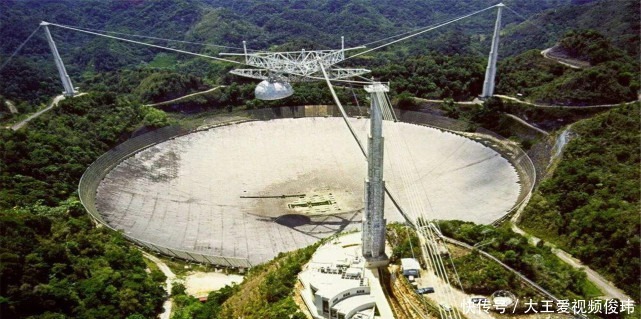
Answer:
(426, 290)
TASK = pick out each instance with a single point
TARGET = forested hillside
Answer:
(536, 263)
(45, 162)
(31, 75)
(611, 76)
(53, 261)
(444, 63)
(362, 22)
(618, 20)
(591, 205)
(266, 292)
(55, 264)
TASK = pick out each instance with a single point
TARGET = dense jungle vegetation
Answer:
(44, 163)
(612, 76)
(55, 264)
(590, 205)
(447, 63)
(536, 263)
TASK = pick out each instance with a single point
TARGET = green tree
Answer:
(154, 118)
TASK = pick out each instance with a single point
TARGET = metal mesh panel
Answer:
(517, 157)
(431, 120)
(99, 169)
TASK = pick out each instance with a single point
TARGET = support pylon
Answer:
(64, 77)
(490, 72)
(373, 234)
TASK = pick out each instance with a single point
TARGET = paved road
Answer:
(24, 122)
(505, 97)
(488, 255)
(186, 96)
(575, 64)
(168, 284)
(608, 289)
(476, 101)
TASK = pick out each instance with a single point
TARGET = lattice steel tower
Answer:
(373, 219)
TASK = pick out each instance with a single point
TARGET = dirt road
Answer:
(608, 289)
(24, 122)
(168, 284)
(575, 64)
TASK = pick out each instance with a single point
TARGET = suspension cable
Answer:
(407, 32)
(144, 43)
(340, 107)
(528, 21)
(349, 126)
(430, 246)
(399, 35)
(162, 39)
(418, 217)
(358, 105)
(421, 32)
(18, 49)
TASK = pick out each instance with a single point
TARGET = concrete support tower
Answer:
(490, 72)
(373, 218)
(64, 77)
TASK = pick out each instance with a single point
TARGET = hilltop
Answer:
(96, 63)
(55, 263)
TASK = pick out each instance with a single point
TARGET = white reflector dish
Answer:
(270, 91)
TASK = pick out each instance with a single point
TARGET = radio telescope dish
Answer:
(273, 90)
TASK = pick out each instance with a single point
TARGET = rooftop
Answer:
(410, 263)
(337, 274)
(336, 267)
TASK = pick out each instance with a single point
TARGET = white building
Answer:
(410, 267)
(337, 285)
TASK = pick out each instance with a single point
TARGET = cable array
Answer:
(404, 36)
(528, 21)
(421, 32)
(157, 38)
(417, 216)
(18, 49)
(420, 207)
(146, 44)
(401, 34)
(417, 207)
